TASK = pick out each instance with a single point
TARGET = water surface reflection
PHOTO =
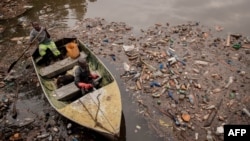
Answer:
(232, 15)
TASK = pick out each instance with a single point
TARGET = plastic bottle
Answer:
(171, 42)
(209, 136)
(152, 84)
(43, 135)
(105, 40)
(170, 52)
(246, 112)
(172, 60)
(170, 94)
(113, 57)
(181, 61)
(161, 66)
(196, 136)
(191, 98)
(237, 46)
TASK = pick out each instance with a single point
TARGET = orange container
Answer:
(72, 50)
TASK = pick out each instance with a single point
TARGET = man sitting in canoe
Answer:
(84, 79)
(44, 40)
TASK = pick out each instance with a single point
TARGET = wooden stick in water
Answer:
(228, 40)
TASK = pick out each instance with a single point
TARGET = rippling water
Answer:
(233, 16)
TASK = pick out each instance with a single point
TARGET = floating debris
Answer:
(186, 117)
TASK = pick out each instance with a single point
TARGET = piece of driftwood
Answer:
(14, 111)
(212, 115)
(246, 46)
(228, 40)
(148, 65)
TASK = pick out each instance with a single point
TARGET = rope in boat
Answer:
(101, 110)
(97, 123)
(95, 119)
(98, 106)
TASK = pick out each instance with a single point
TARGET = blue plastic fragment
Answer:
(152, 84)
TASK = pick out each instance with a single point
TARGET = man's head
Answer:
(82, 63)
(36, 26)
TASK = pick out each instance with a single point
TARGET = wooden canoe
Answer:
(99, 110)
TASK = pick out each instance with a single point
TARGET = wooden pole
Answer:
(228, 40)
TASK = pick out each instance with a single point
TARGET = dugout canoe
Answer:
(99, 110)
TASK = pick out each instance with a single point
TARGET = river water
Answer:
(231, 15)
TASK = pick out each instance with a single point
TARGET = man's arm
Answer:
(47, 33)
(32, 37)
(77, 76)
(93, 75)
(80, 84)
(32, 34)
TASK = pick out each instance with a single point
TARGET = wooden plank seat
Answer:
(70, 90)
(67, 92)
(59, 67)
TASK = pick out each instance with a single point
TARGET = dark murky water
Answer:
(232, 15)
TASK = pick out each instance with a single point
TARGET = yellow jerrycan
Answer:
(72, 50)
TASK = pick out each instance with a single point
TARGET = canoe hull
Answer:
(99, 110)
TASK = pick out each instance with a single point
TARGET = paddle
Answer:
(13, 64)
